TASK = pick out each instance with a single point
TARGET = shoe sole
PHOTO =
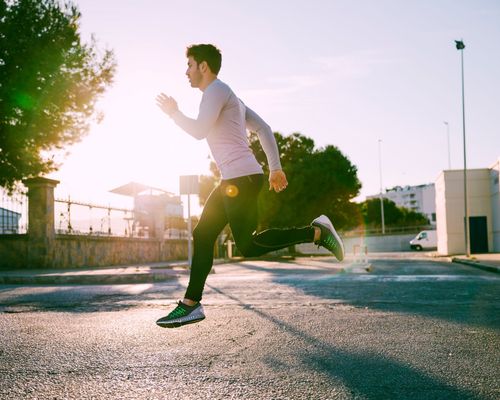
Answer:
(178, 324)
(326, 223)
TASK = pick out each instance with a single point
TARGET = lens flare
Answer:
(231, 191)
(24, 100)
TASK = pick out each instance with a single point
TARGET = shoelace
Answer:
(329, 241)
(178, 312)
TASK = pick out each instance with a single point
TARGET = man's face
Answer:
(193, 73)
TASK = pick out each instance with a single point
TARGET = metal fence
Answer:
(80, 218)
(13, 212)
(77, 218)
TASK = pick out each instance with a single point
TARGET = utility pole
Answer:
(461, 46)
(381, 197)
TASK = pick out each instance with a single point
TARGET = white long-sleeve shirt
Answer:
(223, 120)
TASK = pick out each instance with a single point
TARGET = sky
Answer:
(362, 75)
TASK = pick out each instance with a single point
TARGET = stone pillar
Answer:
(41, 233)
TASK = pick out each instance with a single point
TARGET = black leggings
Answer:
(234, 201)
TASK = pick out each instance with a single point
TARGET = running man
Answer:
(223, 120)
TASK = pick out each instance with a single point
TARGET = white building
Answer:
(157, 213)
(483, 208)
(419, 198)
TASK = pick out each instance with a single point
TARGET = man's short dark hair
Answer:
(208, 53)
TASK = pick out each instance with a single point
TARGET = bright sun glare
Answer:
(148, 149)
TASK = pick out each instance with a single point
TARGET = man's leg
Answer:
(240, 200)
(212, 221)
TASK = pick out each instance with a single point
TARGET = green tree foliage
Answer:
(321, 181)
(49, 84)
(394, 216)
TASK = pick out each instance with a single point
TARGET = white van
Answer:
(425, 240)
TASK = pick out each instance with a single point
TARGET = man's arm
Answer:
(277, 178)
(210, 108)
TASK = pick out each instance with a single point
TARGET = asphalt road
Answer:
(410, 329)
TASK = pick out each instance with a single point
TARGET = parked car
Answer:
(425, 240)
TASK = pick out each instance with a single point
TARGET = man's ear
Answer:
(203, 66)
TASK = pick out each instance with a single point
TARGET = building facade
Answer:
(419, 198)
(483, 202)
(157, 213)
(9, 221)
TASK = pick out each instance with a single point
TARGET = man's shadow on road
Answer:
(79, 299)
(367, 375)
(477, 298)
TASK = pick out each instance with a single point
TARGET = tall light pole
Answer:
(381, 197)
(448, 136)
(461, 46)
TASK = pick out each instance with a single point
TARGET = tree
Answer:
(208, 182)
(49, 84)
(394, 216)
(321, 181)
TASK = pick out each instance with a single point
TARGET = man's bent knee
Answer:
(247, 249)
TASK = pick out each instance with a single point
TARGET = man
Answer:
(223, 120)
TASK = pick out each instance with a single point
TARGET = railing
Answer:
(80, 218)
(13, 212)
(74, 217)
(388, 231)
(77, 218)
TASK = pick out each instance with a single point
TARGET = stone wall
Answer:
(71, 251)
(42, 248)
(13, 251)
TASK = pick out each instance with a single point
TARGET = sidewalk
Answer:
(145, 273)
(488, 262)
(166, 271)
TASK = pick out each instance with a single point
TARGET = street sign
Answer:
(189, 184)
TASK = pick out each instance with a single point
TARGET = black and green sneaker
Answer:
(329, 239)
(182, 315)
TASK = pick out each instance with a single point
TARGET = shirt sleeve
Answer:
(256, 124)
(211, 105)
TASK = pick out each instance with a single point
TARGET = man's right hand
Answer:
(277, 180)
(167, 104)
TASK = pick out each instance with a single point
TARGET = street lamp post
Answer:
(381, 197)
(461, 46)
(448, 137)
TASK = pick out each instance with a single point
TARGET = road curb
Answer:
(477, 264)
(90, 279)
(152, 273)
